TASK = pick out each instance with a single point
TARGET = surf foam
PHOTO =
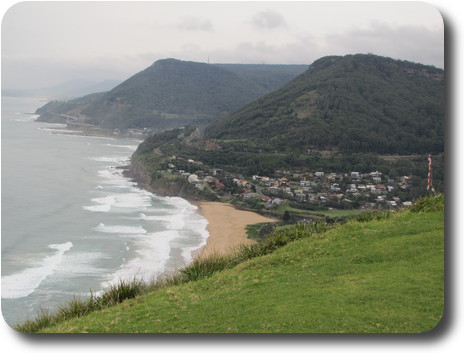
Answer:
(22, 284)
(120, 229)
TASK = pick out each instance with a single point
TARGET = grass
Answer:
(324, 213)
(382, 273)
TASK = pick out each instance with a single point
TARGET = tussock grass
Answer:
(115, 294)
(204, 267)
(433, 203)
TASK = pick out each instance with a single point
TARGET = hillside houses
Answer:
(343, 190)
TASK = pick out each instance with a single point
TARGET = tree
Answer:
(286, 216)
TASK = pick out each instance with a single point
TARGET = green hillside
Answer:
(56, 111)
(172, 93)
(378, 273)
(356, 103)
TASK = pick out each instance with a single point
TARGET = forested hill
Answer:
(172, 93)
(362, 103)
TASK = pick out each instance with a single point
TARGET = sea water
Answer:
(72, 224)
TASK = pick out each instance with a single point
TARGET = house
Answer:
(250, 195)
(333, 176)
(391, 203)
(219, 185)
(354, 175)
(276, 201)
(193, 178)
(200, 185)
(266, 199)
(241, 182)
(209, 179)
(301, 197)
(215, 171)
(283, 181)
(319, 174)
(274, 190)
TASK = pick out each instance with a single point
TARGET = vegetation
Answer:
(248, 162)
(53, 111)
(173, 93)
(355, 103)
(380, 272)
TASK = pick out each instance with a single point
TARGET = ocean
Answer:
(72, 224)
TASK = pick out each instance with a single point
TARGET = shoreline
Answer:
(226, 227)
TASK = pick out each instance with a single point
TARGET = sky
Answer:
(47, 43)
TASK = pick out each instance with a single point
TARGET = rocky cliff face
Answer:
(166, 187)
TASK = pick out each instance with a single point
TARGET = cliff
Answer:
(163, 186)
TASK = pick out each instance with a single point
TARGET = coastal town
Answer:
(301, 189)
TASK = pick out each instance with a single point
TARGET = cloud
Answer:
(195, 24)
(414, 43)
(268, 19)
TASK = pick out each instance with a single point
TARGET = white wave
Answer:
(81, 264)
(26, 117)
(118, 229)
(170, 221)
(153, 253)
(99, 208)
(111, 159)
(58, 131)
(179, 202)
(114, 177)
(22, 284)
(186, 219)
(133, 200)
(130, 147)
(58, 125)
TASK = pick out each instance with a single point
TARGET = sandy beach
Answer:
(226, 226)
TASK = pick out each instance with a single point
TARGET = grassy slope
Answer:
(380, 276)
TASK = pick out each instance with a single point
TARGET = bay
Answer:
(72, 223)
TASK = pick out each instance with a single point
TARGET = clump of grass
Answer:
(375, 215)
(204, 267)
(429, 204)
(78, 307)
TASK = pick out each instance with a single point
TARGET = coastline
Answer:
(226, 226)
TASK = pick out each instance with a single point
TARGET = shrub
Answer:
(429, 204)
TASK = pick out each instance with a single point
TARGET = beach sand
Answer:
(226, 226)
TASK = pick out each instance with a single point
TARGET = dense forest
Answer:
(173, 93)
(355, 103)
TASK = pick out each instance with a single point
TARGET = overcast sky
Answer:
(46, 43)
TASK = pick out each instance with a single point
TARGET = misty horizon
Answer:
(114, 40)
